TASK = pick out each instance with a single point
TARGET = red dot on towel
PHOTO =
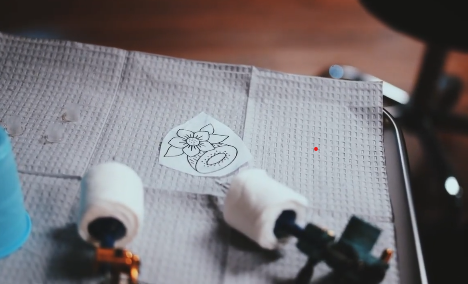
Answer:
(315, 149)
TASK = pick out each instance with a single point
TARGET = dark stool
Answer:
(442, 26)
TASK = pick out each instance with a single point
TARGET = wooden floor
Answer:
(300, 36)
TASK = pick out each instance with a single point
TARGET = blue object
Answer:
(336, 71)
(107, 230)
(15, 224)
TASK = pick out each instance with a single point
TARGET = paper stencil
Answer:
(203, 146)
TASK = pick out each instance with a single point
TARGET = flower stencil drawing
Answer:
(205, 151)
(203, 146)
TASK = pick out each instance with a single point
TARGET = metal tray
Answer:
(410, 257)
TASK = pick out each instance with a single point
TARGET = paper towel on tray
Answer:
(37, 79)
(183, 239)
(289, 115)
(135, 98)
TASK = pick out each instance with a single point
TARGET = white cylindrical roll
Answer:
(111, 190)
(255, 201)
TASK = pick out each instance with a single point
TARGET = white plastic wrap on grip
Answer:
(111, 190)
(255, 201)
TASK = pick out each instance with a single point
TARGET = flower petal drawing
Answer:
(184, 133)
(202, 135)
(208, 128)
(205, 146)
(191, 151)
(178, 142)
(215, 138)
(173, 152)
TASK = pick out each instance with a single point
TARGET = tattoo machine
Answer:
(269, 213)
(111, 214)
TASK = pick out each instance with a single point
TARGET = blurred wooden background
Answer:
(297, 36)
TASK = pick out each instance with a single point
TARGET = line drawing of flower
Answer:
(191, 143)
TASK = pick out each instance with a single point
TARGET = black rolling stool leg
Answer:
(428, 79)
(433, 97)
(451, 122)
(449, 91)
(444, 171)
(418, 117)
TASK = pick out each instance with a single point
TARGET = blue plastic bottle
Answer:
(15, 224)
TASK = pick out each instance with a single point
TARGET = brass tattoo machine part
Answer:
(108, 259)
(118, 262)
